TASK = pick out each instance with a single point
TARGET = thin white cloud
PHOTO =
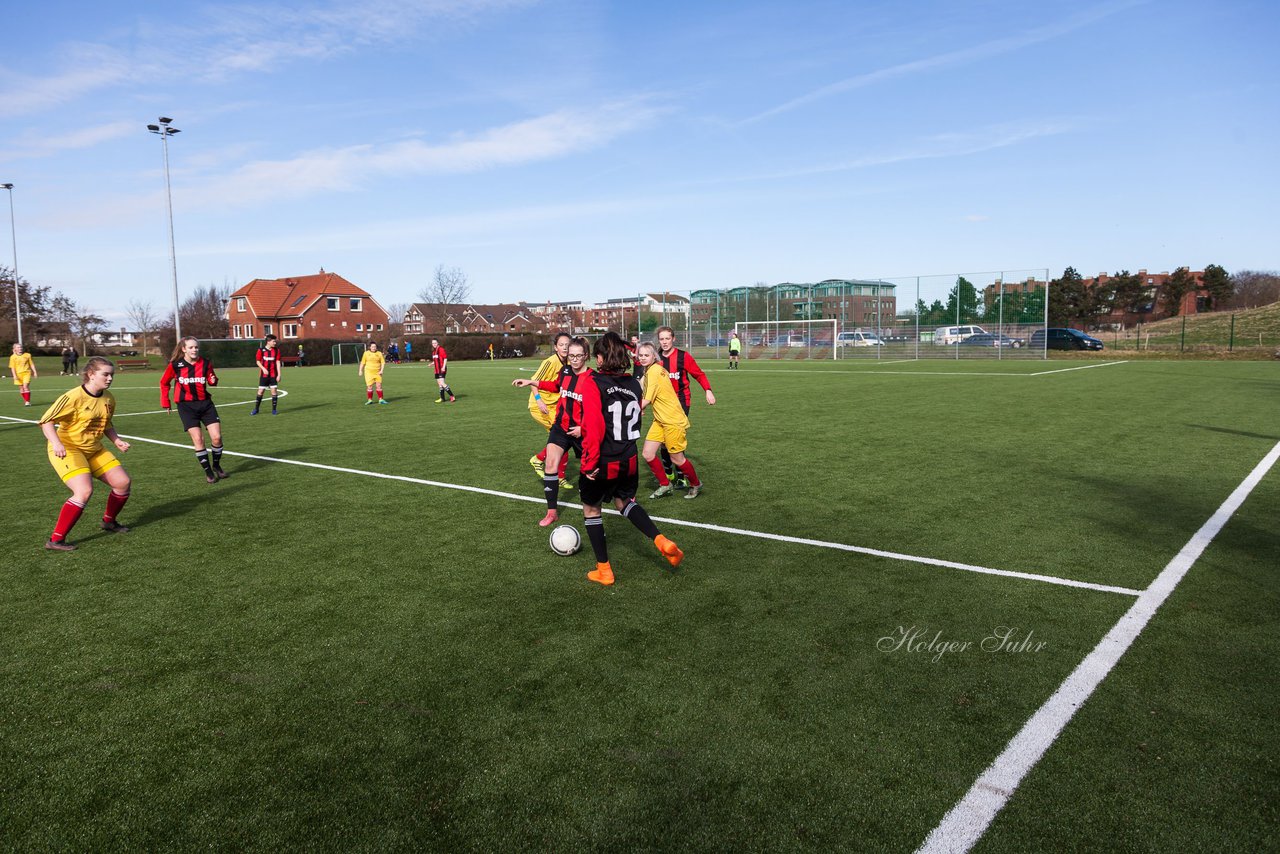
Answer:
(87, 69)
(952, 58)
(41, 145)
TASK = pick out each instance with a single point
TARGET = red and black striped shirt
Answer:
(439, 360)
(569, 407)
(190, 380)
(269, 359)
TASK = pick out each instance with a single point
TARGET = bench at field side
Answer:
(125, 364)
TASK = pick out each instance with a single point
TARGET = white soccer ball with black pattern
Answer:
(565, 540)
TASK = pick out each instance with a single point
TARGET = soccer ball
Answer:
(565, 540)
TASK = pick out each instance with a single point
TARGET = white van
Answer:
(858, 338)
(954, 334)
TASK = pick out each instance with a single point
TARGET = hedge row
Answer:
(239, 353)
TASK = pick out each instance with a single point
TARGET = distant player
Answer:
(568, 415)
(74, 427)
(23, 369)
(542, 404)
(270, 370)
(440, 362)
(610, 427)
(681, 366)
(669, 427)
(370, 367)
(191, 376)
(633, 346)
(735, 350)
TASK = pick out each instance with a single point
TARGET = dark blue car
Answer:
(1065, 339)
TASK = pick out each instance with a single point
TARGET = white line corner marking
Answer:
(967, 821)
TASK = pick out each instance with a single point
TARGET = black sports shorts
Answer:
(616, 479)
(268, 382)
(196, 412)
(563, 440)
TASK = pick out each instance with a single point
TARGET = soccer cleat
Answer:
(669, 550)
(220, 473)
(273, 412)
(666, 489)
(564, 484)
(368, 403)
(438, 400)
(602, 574)
(114, 527)
(210, 477)
(60, 546)
(255, 412)
(381, 401)
(680, 481)
(550, 519)
(538, 466)
(28, 403)
(694, 491)
(452, 398)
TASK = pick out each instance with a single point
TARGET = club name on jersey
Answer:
(190, 380)
(572, 395)
(628, 392)
(675, 375)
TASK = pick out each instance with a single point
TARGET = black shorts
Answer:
(616, 479)
(268, 382)
(563, 440)
(734, 352)
(196, 412)
(440, 376)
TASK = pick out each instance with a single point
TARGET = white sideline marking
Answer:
(743, 532)
(283, 393)
(1079, 368)
(967, 821)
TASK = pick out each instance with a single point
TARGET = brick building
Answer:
(323, 305)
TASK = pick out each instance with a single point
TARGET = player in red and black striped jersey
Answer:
(681, 367)
(191, 376)
(269, 372)
(440, 361)
(568, 415)
(609, 430)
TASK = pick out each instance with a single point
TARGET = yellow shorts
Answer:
(372, 379)
(77, 462)
(545, 420)
(22, 379)
(675, 438)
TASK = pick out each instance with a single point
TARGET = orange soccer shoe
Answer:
(669, 550)
(602, 574)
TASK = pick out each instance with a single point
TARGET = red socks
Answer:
(542, 455)
(368, 393)
(379, 394)
(115, 502)
(66, 520)
(26, 395)
(655, 466)
(686, 468)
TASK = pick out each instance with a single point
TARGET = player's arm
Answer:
(592, 429)
(210, 377)
(169, 376)
(691, 367)
(34, 373)
(111, 434)
(651, 390)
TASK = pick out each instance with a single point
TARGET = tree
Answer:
(1128, 292)
(204, 313)
(1217, 281)
(142, 316)
(85, 325)
(448, 288)
(395, 326)
(965, 295)
(34, 302)
(1175, 288)
(1252, 288)
(1068, 298)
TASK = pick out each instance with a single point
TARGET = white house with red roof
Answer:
(323, 305)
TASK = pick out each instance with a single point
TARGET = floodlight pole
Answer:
(164, 131)
(13, 232)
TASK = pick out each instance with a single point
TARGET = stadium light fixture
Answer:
(164, 131)
(13, 232)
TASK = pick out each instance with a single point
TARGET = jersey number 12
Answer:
(632, 414)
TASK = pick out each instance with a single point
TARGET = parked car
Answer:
(797, 341)
(988, 339)
(1065, 339)
(858, 338)
(955, 334)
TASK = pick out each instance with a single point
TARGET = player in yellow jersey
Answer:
(670, 425)
(74, 427)
(542, 404)
(371, 363)
(23, 369)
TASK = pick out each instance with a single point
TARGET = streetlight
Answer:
(13, 232)
(165, 131)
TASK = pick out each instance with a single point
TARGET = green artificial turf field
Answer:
(378, 650)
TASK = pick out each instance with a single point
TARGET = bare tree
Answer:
(85, 324)
(142, 317)
(204, 313)
(395, 326)
(448, 288)
(1254, 288)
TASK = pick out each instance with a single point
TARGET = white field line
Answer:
(742, 532)
(1079, 368)
(967, 821)
(283, 393)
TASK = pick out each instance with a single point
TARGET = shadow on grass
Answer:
(179, 507)
(1231, 432)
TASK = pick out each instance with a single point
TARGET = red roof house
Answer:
(324, 305)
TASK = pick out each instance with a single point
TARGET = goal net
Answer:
(347, 354)
(788, 339)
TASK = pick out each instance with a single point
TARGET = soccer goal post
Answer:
(347, 354)
(788, 339)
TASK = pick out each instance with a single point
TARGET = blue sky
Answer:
(584, 150)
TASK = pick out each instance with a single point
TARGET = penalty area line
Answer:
(683, 523)
(966, 822)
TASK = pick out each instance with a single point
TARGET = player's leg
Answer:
(594, 523)
(275, 398)
(118, 479)
(378, 386)
(551, 483)
(650, 453)
(685, 466)
(81, 485)
(257, 401)
(202, 453)
(26, 390)
(215, 450)
(368, 394)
